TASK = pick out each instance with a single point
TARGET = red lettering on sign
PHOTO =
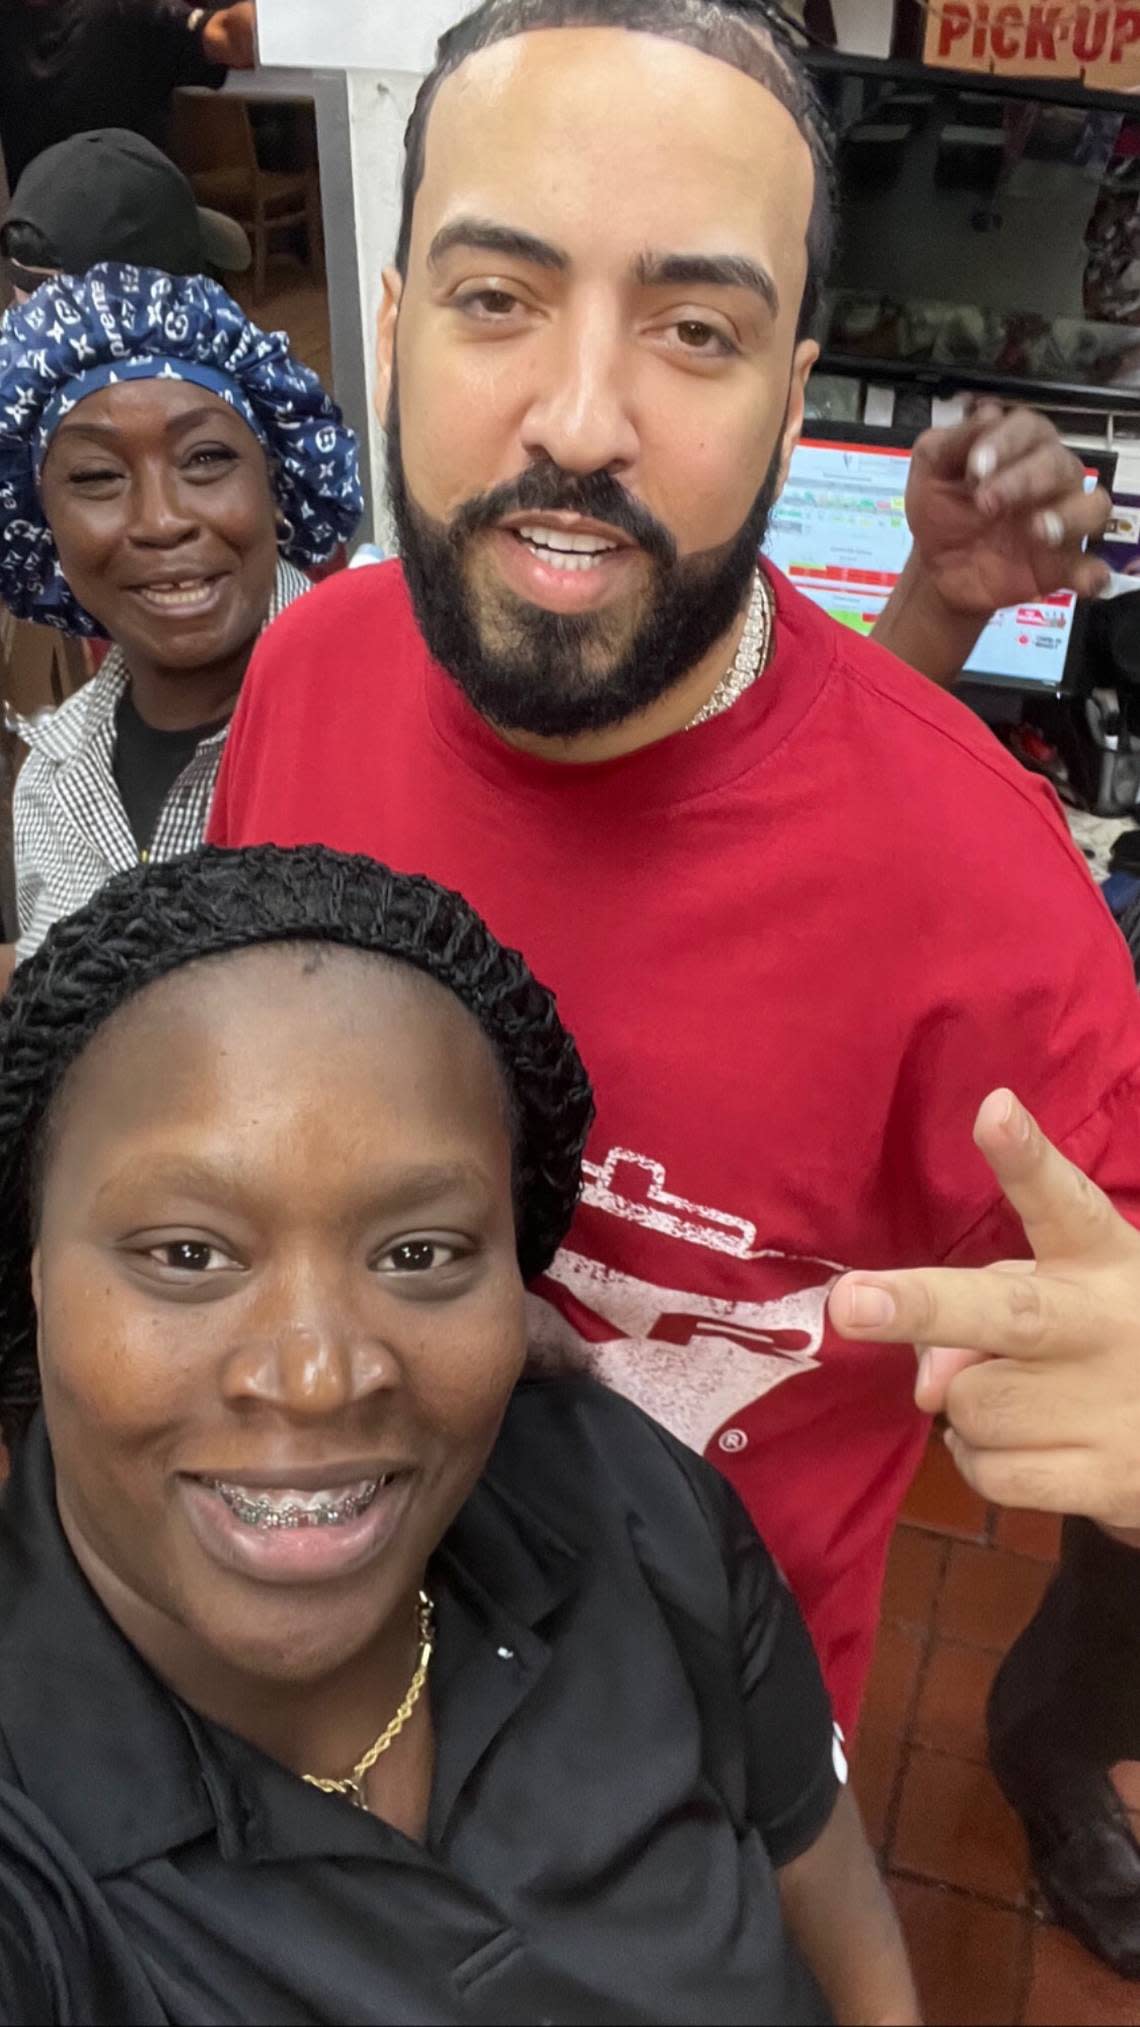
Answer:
(1126, 30)
(1040, 40)
(955, 22)
(1090, 34)
(1007, 44)
(1073, 36)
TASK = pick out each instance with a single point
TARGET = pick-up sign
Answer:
(1039, 38)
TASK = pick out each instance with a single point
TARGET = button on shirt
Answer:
(71, 831)
(631, 1734)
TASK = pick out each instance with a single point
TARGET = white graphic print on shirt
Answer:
(692, 1361)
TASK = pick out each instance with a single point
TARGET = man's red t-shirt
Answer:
(797, 946)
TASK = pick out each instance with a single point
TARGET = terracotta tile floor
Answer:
(962, 1581)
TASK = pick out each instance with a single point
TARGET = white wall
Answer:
(864, 27)
(379, 104)
(354, 34)
(386, 47)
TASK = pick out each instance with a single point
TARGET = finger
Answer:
(1067, 569)
(1024, 1316)
(938, 1366)
(1008, 436)
(977, 404)
(1066, 1217)
(1061, 525)
(1044, 475)
(1073, 518)
(1001, 1405)
(1088, 577)
(1067, 521)
(1044, 1481)
(947, 452)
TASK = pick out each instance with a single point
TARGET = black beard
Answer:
(548, 674)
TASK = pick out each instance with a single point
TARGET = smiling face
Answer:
(279, 1303)
(158, 497)
(595, 361)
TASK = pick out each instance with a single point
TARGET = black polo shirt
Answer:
(631, 1734)
(68, 66)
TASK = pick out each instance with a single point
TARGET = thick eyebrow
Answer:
(482, 235)
(708, 271)
(652, 270)
(398, 1190)
(102, 432)
(210, 411)
(414, 1188)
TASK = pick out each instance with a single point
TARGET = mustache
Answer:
(544, 488)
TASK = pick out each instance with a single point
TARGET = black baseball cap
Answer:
(112, 195)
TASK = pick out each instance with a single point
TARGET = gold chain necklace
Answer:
(353, 1784)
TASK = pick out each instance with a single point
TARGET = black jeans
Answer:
(1068, 1692)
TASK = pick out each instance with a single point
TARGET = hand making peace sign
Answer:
(1042, 1389)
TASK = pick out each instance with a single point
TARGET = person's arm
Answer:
(169, 51)
(229, 37)
(840, 1916)
(836, 1908)
(924, 631)
(999, 514)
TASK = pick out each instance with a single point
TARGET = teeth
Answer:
(566, 544)
(190, 593)
(289, 1508)
(558, 559)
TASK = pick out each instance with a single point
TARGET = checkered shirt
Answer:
(71, 830)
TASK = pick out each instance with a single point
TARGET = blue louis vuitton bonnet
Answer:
(78, 334)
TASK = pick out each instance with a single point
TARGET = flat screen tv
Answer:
(989, 234)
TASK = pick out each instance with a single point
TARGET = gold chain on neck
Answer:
(352, 1784)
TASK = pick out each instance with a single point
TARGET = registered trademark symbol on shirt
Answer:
(734, 1439)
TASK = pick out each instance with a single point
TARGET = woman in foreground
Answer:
(345, 1675)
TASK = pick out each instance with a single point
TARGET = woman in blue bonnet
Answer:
(167, 471)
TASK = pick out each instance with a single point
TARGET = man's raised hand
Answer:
(999, 512)
(1042, 1386)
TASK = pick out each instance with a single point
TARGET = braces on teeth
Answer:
(264, 1513)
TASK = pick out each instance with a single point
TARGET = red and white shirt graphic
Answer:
(693, 1361)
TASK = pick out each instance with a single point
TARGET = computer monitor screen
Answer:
(839, 532)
